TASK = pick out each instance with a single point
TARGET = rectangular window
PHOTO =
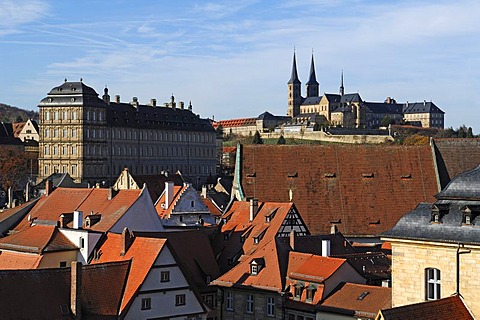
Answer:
(271, 306)
(74, 133)
(63, 264)
(180, 300)
(164, 276)
(229, 301)
(433, 284)
(146, 304)
(45, 170)
(249, 306)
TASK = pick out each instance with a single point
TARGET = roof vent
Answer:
(406, 176)
(292, 175)
(363, 295)
(368, 175)
(330, 175)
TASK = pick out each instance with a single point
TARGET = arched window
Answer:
(433, 283)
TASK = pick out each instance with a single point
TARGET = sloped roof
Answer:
(465, 186)
(239, 225)
(358, 299)
(142, 253)
(17, 128)
(442, 309)
(41, 293)
(421, 107)
(363, 189)
(384, 107)
(237, 122)
(350, 97)
(160, 203)
(37, 239)
(271, 276)
(314, 268)
(66, 200)
(194, 252)
(11, 260)
(311, 101)
(455, 155)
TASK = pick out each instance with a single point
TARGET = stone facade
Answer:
(239, 310)
(411, 258)
(93, 139)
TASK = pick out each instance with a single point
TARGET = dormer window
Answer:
(256, 265)
(470, 212)
(466, 219)
(310, 294)
(438, 211)
(297, 293)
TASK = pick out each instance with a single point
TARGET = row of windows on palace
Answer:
(250, 304)
(144, 151)
(128, 134)
(93, 115)
(148, 169)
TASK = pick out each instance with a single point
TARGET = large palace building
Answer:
(93, 139)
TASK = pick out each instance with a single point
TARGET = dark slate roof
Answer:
(416, 225)
(311, 101)
(72, 94)
(383, 107)
(351, 97)
(73, 88)
(6, 130)
(421, 107)
(466, 186)
(294, 77)
(343, 108)
(331, 97)
(266, 116)
(312, 79)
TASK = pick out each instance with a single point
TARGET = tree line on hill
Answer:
(10, 114)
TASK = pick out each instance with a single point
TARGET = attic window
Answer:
(438, 211)
(368, 175)
(406, 176)
(251, 175)
(292, 175)
(330, 175)
(310, 294)
(256, 265)
(298, 289)
(373, 223)
(363, 295)
(269, 216)
(259, 236)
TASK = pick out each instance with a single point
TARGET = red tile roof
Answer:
(363, 300)
(315, 268)
(365, 189)
(442, 309)
(11, 260)
(67, 200)
(143, 252)
(271, 277)
(160, 204)
(37, 239)
(236, 122)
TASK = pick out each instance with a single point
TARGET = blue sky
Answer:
(233, 59)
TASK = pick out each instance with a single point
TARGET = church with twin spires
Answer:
(349, 110)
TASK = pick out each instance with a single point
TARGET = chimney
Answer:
(10, 197)
(76, 290)
(182, 105)
(172, 102)
(424, 103)
(106, 97)
(127, 240)
(117, 98)
(204, 191)
(111, 193)
(325, 248)
(253, 208)
(77, 219)
(293, 236)
(333, 229)
(134, 102)
(27, 192)
(48, 187)
(190, 107)
(63, 221)
(168, 193)
(153, 102)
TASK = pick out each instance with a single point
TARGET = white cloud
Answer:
(17, 12)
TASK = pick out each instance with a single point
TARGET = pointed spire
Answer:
(342, 89)
(294, 77)
(313, 78)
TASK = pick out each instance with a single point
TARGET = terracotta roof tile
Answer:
(315, 268)
(37, 239)
(365, 189)
(442, 309)
(363, 300)
(142, 252)
(237, 122)
(160, 204)
(67, 200)
(11, 260)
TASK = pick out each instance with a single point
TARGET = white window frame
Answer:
(180, 300)
(165, 276)
(146, 304)
(433, 286)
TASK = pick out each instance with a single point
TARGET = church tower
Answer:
(294, 91)
(342, 89)
(312, 84)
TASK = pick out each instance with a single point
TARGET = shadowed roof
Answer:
(42, 293)
(441, 309)
(363, 189)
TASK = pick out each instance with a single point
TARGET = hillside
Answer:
(14, 114)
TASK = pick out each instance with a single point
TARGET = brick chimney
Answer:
(48, 187)
(127, 240)
(76, 290)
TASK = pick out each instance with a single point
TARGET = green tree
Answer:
(14, 167)
(257, 139)
(281, 140)
(470, 132)
(386, 121)
(219, 132)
